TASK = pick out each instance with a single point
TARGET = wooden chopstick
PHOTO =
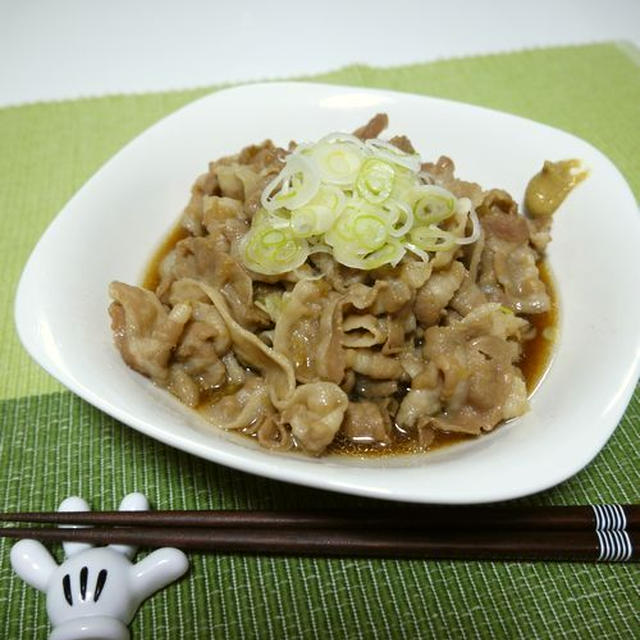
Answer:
(520, 518)
(576, 546)
(574, 533)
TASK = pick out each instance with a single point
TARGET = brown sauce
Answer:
(151, 277)
(401, 444)
(536, 357)
(536, 353)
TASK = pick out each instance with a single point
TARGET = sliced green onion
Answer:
(404, 184)
(387, 151)
(338, 136)
(294, 186)
(317, 216)
(417, 250)
(360, 226)
(389, 253)
(331, 197)
(370, 231)
(363, 202)
(338, 163)
(320, 247)
(432, 238)
(476, 229)
(432, 204)
(304, 221)
(342, 229)
(272, 251)
(278, 219)
(375, 180)
(402, 217)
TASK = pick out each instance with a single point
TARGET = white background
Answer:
(57, 49)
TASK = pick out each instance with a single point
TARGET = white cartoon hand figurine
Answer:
(95, 592)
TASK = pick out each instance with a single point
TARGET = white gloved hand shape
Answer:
(95, 592)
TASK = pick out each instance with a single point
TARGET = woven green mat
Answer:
(53, 444)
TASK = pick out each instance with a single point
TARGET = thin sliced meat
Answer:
(315, 413)
(478, 382)
(442, 174)
(373, 128)
(273, 366)
(143, 330)
(309, 332)
(367, 422)
(508, 270)
(435, 295)
(202, 259)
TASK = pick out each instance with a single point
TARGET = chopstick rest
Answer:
(96, 591)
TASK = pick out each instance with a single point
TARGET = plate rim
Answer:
(267, 468)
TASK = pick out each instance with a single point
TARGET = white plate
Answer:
(111, 227)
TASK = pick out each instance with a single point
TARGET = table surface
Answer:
(72, 48)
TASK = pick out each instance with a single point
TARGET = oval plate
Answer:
(110, 228)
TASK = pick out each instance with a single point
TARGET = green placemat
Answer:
(53, 444)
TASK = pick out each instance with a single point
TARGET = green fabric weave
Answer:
(52, 444)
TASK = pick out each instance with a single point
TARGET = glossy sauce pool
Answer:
(536, 357)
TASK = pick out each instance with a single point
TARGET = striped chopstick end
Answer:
(609, 517)
(614, 542)
(614, 546)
